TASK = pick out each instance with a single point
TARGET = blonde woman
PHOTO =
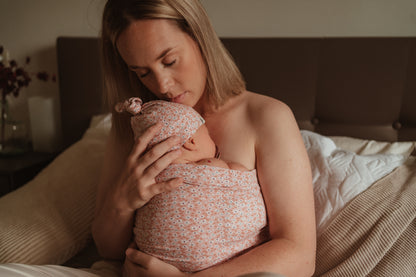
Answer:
(167, 49)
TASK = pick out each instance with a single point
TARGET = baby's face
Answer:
(200, 146)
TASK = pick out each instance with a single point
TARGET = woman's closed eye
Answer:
(167, 64)
(142, 75)
(146, 73)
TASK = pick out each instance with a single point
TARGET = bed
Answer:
(354, 100)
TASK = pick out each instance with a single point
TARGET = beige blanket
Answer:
(375, 235)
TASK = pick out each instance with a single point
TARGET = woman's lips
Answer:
(180, 98)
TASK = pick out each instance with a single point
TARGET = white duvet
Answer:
(340, 175)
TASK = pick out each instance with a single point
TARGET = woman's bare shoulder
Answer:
(265, 110)
(256, 101)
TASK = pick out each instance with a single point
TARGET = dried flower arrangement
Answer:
(12, 78)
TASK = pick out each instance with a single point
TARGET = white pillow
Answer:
(48, 220)
(104, 268)
(340, 175)
(371, 147)
(99, 128)
(23, 270)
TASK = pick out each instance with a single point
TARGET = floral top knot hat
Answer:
(177, 119)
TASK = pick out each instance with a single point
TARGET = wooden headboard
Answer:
(80, 85)
(358, 87)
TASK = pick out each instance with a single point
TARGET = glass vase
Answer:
(13, 134)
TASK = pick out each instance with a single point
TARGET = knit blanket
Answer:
(375, 235)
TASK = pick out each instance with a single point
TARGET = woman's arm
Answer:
(285, 179)
(127, 183)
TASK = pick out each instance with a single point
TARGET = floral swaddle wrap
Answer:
(215, 215)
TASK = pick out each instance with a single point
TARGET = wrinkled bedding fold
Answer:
(382, 243)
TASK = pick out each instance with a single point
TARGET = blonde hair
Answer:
(224, 79)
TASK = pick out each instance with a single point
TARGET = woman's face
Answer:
(166, 60)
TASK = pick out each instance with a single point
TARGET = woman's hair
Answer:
(223, 77)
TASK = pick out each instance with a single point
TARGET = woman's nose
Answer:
(164, 83)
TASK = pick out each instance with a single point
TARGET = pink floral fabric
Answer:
(217, 214)
(177, 119)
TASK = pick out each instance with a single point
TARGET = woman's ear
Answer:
(190, 144)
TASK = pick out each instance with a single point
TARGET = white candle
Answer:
(43, 124)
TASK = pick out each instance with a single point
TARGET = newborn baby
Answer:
(217, 214)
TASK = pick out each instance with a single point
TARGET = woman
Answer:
(167, 49)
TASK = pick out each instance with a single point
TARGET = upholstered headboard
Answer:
(358, 87)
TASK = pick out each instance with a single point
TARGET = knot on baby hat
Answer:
(132, 105)
(177, 119)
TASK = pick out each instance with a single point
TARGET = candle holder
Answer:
(43, 124)
(14, 138)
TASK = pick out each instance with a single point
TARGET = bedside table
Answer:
(17, 170)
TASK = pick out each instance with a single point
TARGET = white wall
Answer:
(30, 27)
(312, 18)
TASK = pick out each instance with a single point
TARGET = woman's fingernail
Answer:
(128, 251)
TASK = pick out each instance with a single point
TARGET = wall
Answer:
(317, 18)
(30, 28)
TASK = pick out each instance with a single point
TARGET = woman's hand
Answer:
(137, 184)
(127, 183)
(140, 264)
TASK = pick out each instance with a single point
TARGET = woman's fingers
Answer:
(140, 161)
(166, 186)
(142, 142)
(158, 157)
(144, 178)
(161, 163)
(145, 265)
(145, 193)
(137, 257)
(139, 177)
